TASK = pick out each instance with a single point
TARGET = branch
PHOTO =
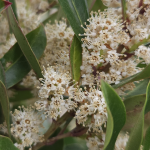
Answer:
(76, 132)
(53, 127)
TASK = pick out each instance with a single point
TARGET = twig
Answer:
(65, 126)
(53, 128)
(76, 132)
(141, 3)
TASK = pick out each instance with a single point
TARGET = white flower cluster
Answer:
(26, 126)
(95, 143)
(89, 104)
(92, 107)
(121, 141)
(144, 53)
(59, 38)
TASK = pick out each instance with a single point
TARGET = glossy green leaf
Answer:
(77, 13)
(141, 75)
(14, 8)
(136, 135)
(23, 43)
(6, 144)
(136, 45)
(5, 105)
(76, 58)
(146, 145)
(116, 115)
(2, 74)
(4, 5)
(123, 2)
(19, 67)
(139, 89)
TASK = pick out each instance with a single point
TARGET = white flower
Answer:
(94, 143)
(144, 53)
(121, 141)
(26, 124)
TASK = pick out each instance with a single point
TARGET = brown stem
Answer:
(141, 3)
(65, 126)
(76, 132)
(120, 48)
(54, 139)
(53, 127)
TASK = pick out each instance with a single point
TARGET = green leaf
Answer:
(136, 135)
(76, 58)
(135, 102)
(23, 43)
(14, 8)
(123, 2)
(5, 105)
(146, 145)
(19, 67)
(74, 146)
(136, 45)
(116, 115)
(141, 75)
(6, 144)
(98, 6)
(77, 13)
(139, 89)
(2, 74)
(4, 5)
(21, 95)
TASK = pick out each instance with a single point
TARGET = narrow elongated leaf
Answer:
(77, 13)
(141, 75)
(14, 8)
(37, 41)
(6, 144)
(76, 58)
(139, 89)
(4, 5)
(136, 136)
(5, 105)
(123, 2)
(23, 43)
(19, 67)
(136, 45)
(147, 140)
(116, 115)
(2, 74)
